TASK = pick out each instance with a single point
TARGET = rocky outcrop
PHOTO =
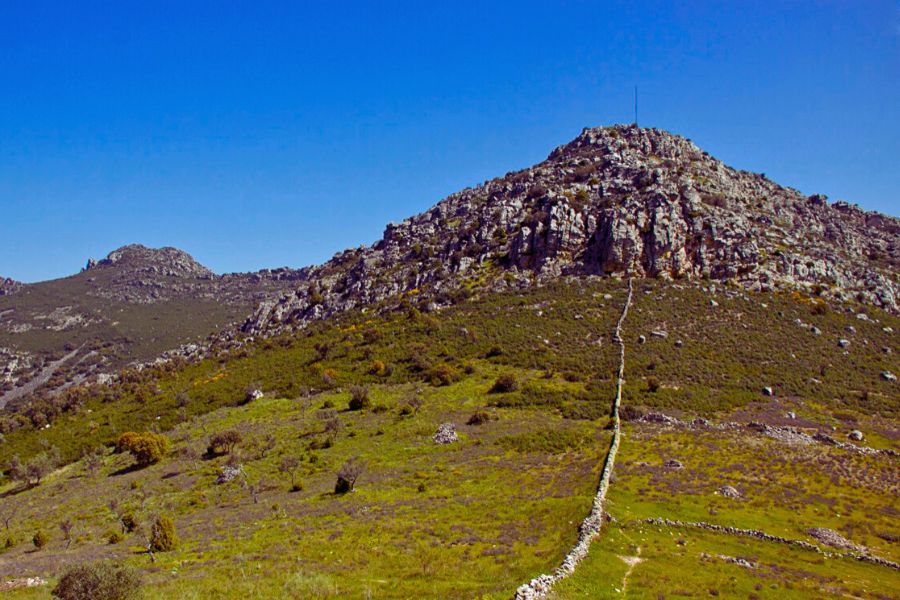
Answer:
(614, 201)
(9, 286)
(167, 262)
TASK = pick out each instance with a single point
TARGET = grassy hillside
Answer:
(478, 517)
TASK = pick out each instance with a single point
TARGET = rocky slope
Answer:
(615, 201)
(130, 306)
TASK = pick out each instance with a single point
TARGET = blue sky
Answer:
(267, 134)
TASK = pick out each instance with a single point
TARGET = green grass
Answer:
(485, 518)
(480, 517)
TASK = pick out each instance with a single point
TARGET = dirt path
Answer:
(632, 562)
(540, 586)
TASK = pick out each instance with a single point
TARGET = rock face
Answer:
(614, 201)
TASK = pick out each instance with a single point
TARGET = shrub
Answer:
(223, 442)
(505, 383)
(347, 476)
(630, 413)
(479, 418)
(147, 448)
(359, 398)
(653, 385)
(377, 368)
(443, 374)
(40, 539)
(162, 534)
(98, 581)
(129, 522)
(115, 537)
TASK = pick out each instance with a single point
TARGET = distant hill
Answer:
(131, 306)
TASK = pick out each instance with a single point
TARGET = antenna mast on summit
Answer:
(635, 107)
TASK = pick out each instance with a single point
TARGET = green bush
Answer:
(147, 448)
(99, 581)
(480, 418)
(162, 534)
(40, 539)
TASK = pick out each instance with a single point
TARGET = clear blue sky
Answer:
(262, 134)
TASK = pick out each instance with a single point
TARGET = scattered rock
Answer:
(888, 376)
(832, 538)
(230, 473)
(713, 302)
(856, 435)
(642, 339)
(791, 415)
(673, 464)
(741, 562)
(660, 334)
(446, 434)
(659, 418)
(768, 391)
(22, 582)
(679, 343)
(844, 343)
(729, 491)
(254, 394)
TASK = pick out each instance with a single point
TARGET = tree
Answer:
(347, 476)
(223, 442)
(147, 448)
(32, 472)
(289, 466)
(93, 460)
(66, 527)
(162, 534)
(99, 581)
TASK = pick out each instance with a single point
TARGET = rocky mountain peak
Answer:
(165, 262)
(617, 200)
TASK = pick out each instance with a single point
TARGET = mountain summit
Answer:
(618, 200)
(167, 262)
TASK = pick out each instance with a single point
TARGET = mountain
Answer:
(615, 201)
(130, 306)
(629, 370)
